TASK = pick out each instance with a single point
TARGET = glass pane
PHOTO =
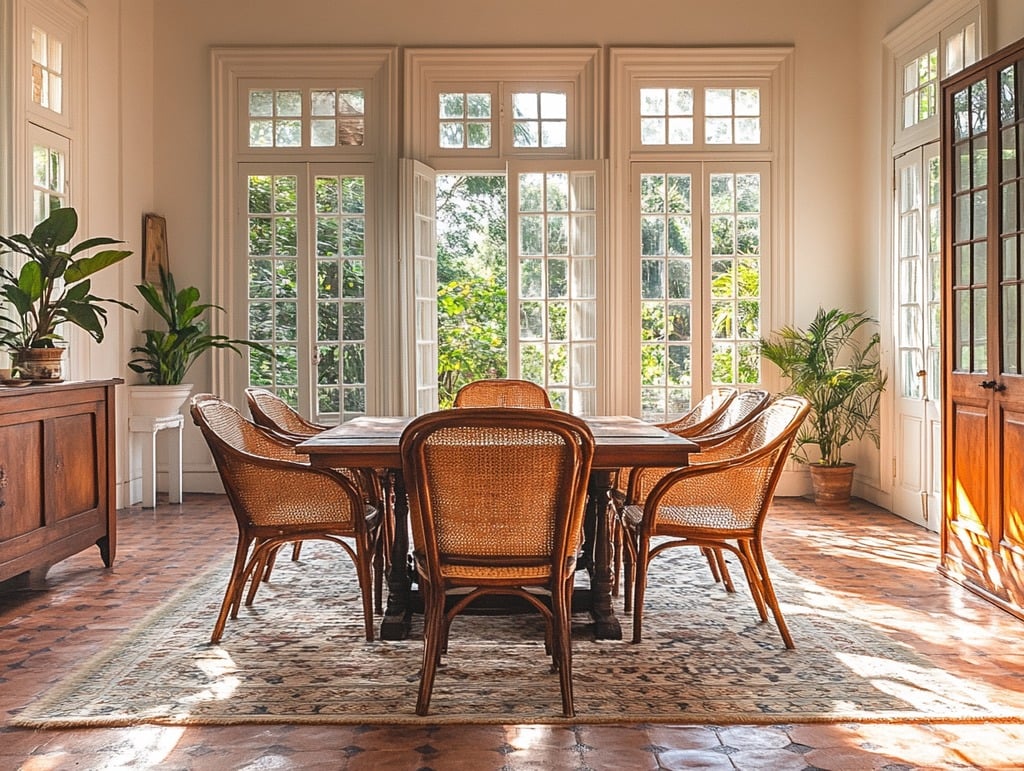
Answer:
(718, 101)
(980, 341)
(451, 105)
(524, 106)
(652, 281)
(1011, 330)
(478, 106)
(652, 101)
(652, 131)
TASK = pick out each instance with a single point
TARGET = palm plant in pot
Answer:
(834, 363)
(52, 286)
(169, 352)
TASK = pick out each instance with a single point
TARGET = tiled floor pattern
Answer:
(887, 564)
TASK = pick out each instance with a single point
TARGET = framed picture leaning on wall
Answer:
(154, 248)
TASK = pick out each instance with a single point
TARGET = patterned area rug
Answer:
(298, 656)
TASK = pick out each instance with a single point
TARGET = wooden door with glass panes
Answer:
(983, 258)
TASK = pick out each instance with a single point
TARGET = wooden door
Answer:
(983, 244)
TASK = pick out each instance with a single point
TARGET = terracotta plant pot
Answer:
(832, 484)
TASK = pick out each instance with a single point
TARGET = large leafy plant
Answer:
(169, 353)
(834, 363)
(53, 285)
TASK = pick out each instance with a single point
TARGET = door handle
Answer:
(992, 385)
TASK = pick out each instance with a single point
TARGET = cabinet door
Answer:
(75, 450)
(983, 133)
(21, 487)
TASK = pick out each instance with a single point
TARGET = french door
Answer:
(305, 233)
(700, 236)
(555, 247)
(983, 262)
(917, 485)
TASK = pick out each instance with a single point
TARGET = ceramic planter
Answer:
(40, 365)
(155, 401)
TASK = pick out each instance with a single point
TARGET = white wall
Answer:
(165, 164)
(119, 178)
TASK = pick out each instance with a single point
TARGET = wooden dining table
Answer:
(619, 441)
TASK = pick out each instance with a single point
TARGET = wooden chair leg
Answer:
(628, 568)
(754, 578)
(641, 564)
(563, 643)
(433, 630)
(616, 553)
(709, 555)
(365, 571)
(769, 594)
(723, 570)
(232, 590)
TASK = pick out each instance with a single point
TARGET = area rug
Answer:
(298, 656)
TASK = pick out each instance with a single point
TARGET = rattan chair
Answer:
(271, 411)
(726, 408)
(741, 409)
(278, 499)
(496, 501)
(703, 412)
(718, 502)
(502, 392)
(273, 414)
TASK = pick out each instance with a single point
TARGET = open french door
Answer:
(917, 479)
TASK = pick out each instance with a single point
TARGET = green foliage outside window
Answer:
(472, 310)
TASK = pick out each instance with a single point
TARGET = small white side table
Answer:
(144, 431)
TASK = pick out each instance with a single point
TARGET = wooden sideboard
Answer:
(57, 469)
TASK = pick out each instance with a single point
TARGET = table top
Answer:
(619, 440)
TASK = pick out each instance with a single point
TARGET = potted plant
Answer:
(834, 363)
(170, 352)
(52, 286)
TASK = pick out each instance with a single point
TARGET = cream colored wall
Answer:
(120, 183)
(838, 174)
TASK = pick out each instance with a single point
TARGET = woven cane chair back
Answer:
(273, 412)
(496, 500)
(502, 392)
(703, 412)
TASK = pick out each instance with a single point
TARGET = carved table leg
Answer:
(395, 625)
(606, 624)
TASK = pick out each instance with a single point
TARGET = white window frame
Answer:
(234, 71)
(771, 69)
(306, 269)
(928, 28)
(429, 72)
(374, 114)
(26, 122)
(65, 19)
(501, 72)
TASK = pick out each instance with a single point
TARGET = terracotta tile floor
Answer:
(887, 563)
